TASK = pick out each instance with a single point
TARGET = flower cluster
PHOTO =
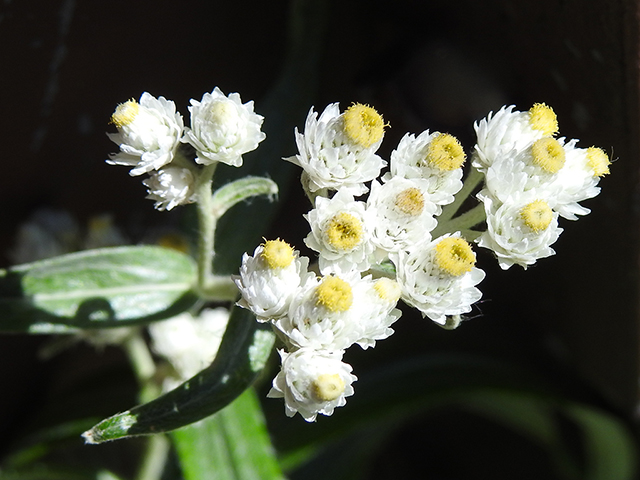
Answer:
(371, 253)
(151, 132)
(531, 179)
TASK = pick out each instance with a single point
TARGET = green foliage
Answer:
(110, 287)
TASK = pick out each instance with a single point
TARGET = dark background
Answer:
(66, 64)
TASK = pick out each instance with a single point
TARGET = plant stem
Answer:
(462, 222)
(470, 183)
(206, 225)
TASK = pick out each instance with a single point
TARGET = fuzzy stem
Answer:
(207, 226)
(470, 183)
(462, 222)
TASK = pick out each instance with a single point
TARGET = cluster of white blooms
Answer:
(151, 132)
(531, 179)
(372, 252)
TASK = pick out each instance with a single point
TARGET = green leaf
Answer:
(235, 192)
(233, 444)
(245, 348)
(110, 287)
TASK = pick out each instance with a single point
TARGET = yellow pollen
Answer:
(277, 254)
(410, 201)
(222, 113)
(454, 256)
(334, 294)
(543, 118)
(363, 125)
(445, 153)
(598, 161)
(125, 113)
(548, 154)
(327, 387)
(387, 289)
(343, 232)
(537, 215)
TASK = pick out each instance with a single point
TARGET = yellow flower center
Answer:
(537, 215)
(334, 294)
(548, 154)
(410, 201)
(598, 161)
(543, 118)
(222, 112)
(328, 387)
(454, 256)
(445, 153)
(277, 254)
(343, 232)
(387, 289)
(363, 125)
(125, 113)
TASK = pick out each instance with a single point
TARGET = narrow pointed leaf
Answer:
(233, 444)
(109, 287)
(234, 192)
(245, 348)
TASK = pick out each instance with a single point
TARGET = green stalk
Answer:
(470, 183)
(206, 225)
(462, 222)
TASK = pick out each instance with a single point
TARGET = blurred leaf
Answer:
(110, 287)
(235, 192)
(246, 346)
(233, 444)
(610, 449)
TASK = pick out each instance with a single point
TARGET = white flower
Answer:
(338, 150)
(170, 187)
(312, 382)
(404, 213)
(509, 130)
(520, 231)
(340, 233)
(148, 133)
(439, 277)
(437, 158)
(376, 301)
(223, 128)
(271, 278)
(325, 315)
(189, 343)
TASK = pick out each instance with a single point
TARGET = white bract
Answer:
(170, 187)
(404, 214)
(312, 382)
(149, 133)
(223, 128)
(507, 130)
(337, 150)
(436, 158)
(271, 278)
(341, 233)
(439, 278)
(520, 231)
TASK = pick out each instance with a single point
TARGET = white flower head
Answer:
(271, 278)
(439, 278)
(149, 132)
(341, 233)
(312, 382)
(520, 231)
(189, 343)
(325, 315)
(338, 150)
(170, 187)
(376, 301)
(223, 128)
(434, 157)
(404, 214)
(509, 130)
